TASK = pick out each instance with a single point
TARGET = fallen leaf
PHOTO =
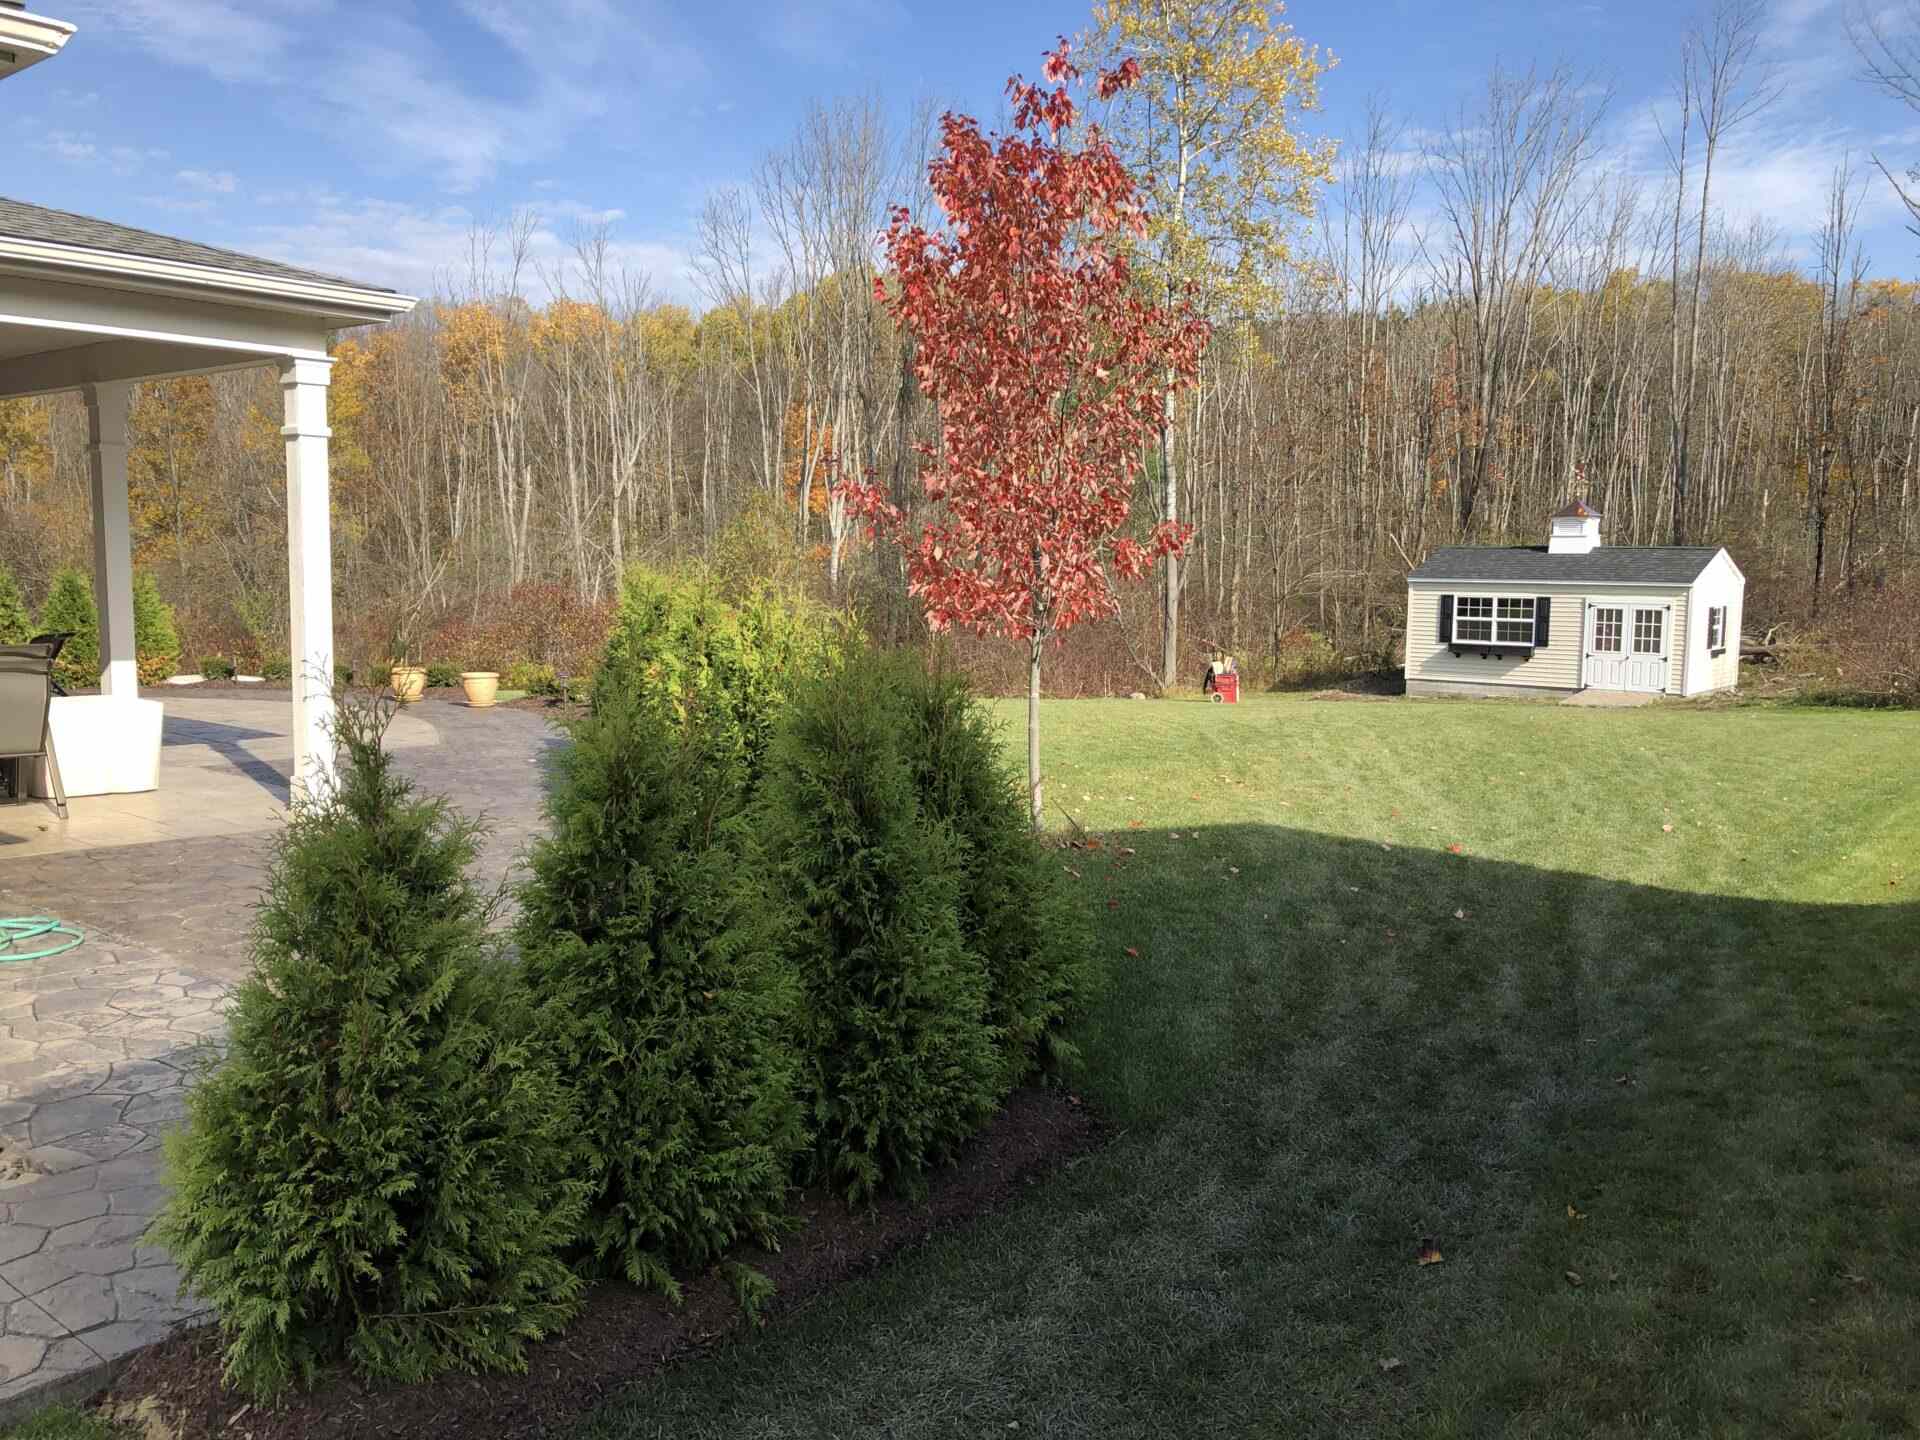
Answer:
(1113, 904)
(1575, 1214)
(1392, 1363)
(1233, 869)
(1573, 1278)
(1135, 824)
(1429, 1254)
(1666, 829)
(1623, 1079)
(1456, 848)
(1132, 954)
(1459, 914)
(1124, 850)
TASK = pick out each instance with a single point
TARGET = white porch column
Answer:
(112, 535)
(309, 571)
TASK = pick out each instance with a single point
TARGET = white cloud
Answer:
(431, 250)
(69, 147)
(235, 40)
(214, 182)
(379, 81)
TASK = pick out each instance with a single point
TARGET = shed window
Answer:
(1513, 623)
(1493, 620)
(1647, 625)
(1717, 630)
(1473, 619)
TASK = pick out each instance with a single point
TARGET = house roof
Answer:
(21, 221)
(1604, 565)
(1575, 510)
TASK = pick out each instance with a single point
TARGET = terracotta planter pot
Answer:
(481, 687)
(409, 682)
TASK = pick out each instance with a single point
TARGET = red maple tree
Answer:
(1048, 365)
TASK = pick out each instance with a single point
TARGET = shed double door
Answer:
(1629, 645)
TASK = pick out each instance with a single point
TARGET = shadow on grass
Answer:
(1664, 1142)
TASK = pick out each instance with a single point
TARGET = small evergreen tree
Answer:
(1017, 914)
(651, 931)
(902, 1064)
(156, 641)
(16, 622)
(378, 1169)
(69, 606)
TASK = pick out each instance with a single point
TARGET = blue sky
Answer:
(365, 137)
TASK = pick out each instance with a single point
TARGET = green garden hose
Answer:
(17, 930)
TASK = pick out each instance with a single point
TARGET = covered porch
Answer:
(94, 307)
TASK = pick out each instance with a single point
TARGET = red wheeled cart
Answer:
(1222, 683)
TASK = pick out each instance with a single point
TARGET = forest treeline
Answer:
(1471, 326)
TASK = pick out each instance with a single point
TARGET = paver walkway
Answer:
(98, 1046)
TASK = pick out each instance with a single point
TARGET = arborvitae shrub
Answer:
(902, 1062)
(156, 640)
(736, 663)
(379, 1168)
(1016, 910)
(69, 606)
(16, 622)
(650, 930)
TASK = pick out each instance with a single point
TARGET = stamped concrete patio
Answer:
(97, 1046)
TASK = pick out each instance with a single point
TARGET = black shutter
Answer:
(1542, 621)
(1446, 619)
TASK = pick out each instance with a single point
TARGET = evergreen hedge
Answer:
(902, 1062)
(380, 1169)
(1017, 913)
(69, 606)
(16, 621)
(650, 927)
(156, 640)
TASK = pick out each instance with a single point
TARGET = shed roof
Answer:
(21, 221)
(1603, 565)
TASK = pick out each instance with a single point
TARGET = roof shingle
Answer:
(1605, 565)
(22, 221)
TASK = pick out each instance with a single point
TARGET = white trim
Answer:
(1678, 586)
(31, 38)
(1493, 619)
(164, 337)
(351, 304)
(303, 385)
(108, 407)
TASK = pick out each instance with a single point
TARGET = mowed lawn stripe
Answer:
(1339, 1039)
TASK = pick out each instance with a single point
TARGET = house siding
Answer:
(1684, 653)
(1557, 667)
(1720, 584)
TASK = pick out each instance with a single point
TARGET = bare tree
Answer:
(1508, 178)
(1721, 86)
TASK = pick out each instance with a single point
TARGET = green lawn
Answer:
(1339, 1038)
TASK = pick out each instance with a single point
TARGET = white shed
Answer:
(1574, 614)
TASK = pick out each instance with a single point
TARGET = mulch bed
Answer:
(624, 1335)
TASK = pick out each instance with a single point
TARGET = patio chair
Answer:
(26, 694)
(56, 641)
